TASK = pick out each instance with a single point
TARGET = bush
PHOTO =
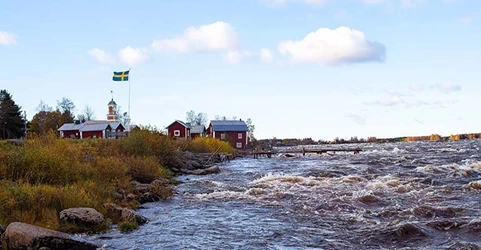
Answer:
(47, 175)
(207, 145)
(128, 226)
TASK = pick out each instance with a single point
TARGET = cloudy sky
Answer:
(297, 68)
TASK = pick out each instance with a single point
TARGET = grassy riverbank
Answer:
(46, 175)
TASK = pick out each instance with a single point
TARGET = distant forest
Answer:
(309, 141)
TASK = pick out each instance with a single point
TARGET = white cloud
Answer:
(331, 47)
(132, 56)
(7, 38)
(391, 100)
(101, 56)
(404, 3)
(235, 56)
(218, 36)
(446, 87)
(314, 2)
(266, 55)
(415, 87)
(357, 119)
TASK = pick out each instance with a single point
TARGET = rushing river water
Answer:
(420, 195)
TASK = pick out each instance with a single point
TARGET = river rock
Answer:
(25, 236)
(150, 192)
(82, 216)
(118, 213)
(211, 170)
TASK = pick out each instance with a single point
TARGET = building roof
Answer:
(198, 129)
(90, 126)
(229, 125)
(187, 125)
(70, 126)
(95, 127)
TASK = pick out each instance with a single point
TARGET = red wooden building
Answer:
(233, 131)
(92, 129)
(179, 130)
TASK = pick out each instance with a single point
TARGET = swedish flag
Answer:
(121, 76)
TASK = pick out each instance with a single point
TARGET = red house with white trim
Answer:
(233, 131)
(179, 130)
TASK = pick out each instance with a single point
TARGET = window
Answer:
(222, 136)
(239, 136)
(176, 132)
(238, 145)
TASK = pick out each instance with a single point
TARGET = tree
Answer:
(66, 108)
(196, 119)
(44, 121)
(12, 124)
(87, 114)
(250, 129)
(43, 107)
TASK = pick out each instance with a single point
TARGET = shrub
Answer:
(128, 226)
(47, 175)
(207, 145)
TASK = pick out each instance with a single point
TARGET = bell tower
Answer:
(112, 115)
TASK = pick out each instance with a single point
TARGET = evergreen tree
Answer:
(12, 124)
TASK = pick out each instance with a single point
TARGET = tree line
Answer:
(14, 123)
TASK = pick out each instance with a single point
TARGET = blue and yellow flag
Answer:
(121, 76)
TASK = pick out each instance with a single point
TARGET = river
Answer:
(417, 195)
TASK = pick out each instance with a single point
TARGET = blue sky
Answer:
(297, 68)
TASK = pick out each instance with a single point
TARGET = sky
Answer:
(297, 68)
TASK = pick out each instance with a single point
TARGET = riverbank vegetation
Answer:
(45, 175)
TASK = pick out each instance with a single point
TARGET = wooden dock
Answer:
(303, 151)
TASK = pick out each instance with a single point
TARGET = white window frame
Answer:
(222, 136)
(238, 145)
(176, 133)
(239, 136)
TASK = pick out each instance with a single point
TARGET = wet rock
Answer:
(82, 216)
(118, 214)
(151, 192)
(211, 170)
(25, 236)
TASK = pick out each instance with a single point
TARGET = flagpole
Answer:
(130, 117)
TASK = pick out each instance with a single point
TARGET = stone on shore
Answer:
(118, 214)
(151, 192)
(25, 236)
(82, 216)
(211, 170)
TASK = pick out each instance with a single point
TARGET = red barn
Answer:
(179, 130)
(233, 131)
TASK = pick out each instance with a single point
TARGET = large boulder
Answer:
(82, 216)
(25, 236)
(118, 214)
(210, 170)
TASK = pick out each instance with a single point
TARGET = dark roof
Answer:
(181, 123)
(198, 129)
(112, 102)
(229, 125)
